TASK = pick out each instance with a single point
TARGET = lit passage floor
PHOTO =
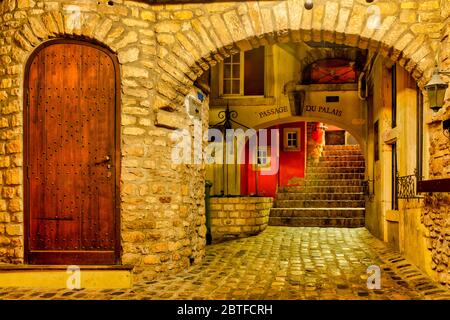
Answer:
(280, 263)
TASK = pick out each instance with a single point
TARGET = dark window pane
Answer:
(236, 86)
(394, 96)
(227, 71)
(236, 71)
(227, 87)
(254, 72)
(376, 139)
(394, 177)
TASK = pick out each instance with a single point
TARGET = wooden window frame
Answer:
(241, 79)
(286, 132)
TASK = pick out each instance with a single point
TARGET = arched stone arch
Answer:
(340, 124)
(202, 42)
(87, 26)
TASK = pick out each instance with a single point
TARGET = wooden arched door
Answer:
(72, 155)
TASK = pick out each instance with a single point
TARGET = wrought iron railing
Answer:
(407, 186)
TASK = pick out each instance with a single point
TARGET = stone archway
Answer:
(358, 137)
(236, 27)
(243, 26)
(162, 51)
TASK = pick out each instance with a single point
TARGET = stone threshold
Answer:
(59, 276)
(29, 267)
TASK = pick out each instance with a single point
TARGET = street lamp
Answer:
(436, 89)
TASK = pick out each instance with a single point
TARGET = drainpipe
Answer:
(208, 185)
(361, 97)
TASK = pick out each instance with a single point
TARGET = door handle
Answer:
(106, 160)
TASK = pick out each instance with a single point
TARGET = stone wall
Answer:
(233, 218)
(436, 215)
(162, 204)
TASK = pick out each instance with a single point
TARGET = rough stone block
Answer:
(170, 120)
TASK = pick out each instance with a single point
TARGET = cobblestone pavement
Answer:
(280, 263)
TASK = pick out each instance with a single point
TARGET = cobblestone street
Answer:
(280, 263)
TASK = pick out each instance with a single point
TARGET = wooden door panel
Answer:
(71, 132)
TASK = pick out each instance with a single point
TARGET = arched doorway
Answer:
(334, 91)
(72, 155)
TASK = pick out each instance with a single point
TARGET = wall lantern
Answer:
(436, 89)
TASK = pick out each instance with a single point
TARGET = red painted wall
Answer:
(292, 165)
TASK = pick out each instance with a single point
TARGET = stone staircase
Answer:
(331, 195)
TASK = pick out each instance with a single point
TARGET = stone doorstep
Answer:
(57, 277)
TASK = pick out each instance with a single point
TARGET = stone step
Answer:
(317, 222)
(320, 203)
(342, 158)
(318, 212)
(320, 189)
(317, 196)
(337, 164)
(325, 182)
(340, 147)
(338, 183)
(335, 170)
(330, 195)
(333, 176)
(327, 153)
